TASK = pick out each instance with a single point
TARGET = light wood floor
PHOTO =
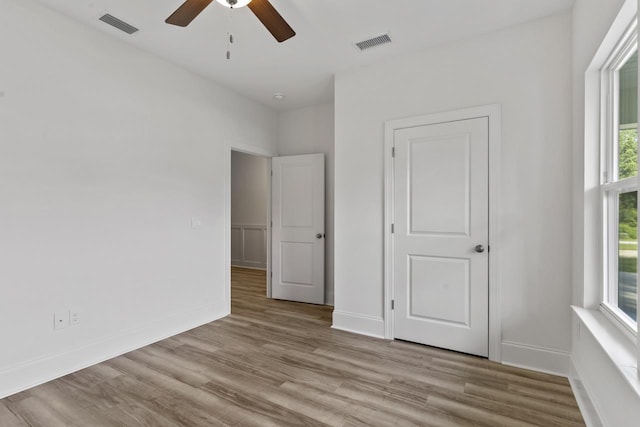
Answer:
(276, 363)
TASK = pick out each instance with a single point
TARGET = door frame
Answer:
(255, 151)
(494, 113)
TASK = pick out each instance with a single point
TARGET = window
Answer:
(620, 181)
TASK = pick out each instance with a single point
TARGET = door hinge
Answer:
(271, 224)
(393, 151)
(393, 304)
(271, 172)
(271, 274)
(393, 228)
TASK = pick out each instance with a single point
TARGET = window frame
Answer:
(610, 186)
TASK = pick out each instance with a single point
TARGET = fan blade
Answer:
(271, 19)
(187, 12)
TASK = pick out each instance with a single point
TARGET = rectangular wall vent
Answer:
(115, 22)
(373, 42)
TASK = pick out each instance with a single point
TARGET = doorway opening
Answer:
(249, 227)
(274, 229)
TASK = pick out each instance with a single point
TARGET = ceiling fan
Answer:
(263, 10)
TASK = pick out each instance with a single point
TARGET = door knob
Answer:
(479, 249)
(318, 236)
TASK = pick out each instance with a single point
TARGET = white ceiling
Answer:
(302, 67)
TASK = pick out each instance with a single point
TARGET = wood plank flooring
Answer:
(277, 363)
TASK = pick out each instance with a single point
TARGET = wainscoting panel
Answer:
(249, 246)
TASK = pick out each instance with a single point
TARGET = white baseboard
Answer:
(535, 358)
(358, 323)
(25, 375)
(585, 403)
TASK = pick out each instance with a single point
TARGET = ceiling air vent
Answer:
(373, 42)
(115, 22)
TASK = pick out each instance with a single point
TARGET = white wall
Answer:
(249, 204)
(249, 189)
(527, 69)
(306, 131)
(106, 153)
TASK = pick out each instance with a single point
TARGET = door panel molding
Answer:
(463, 320)
(249, 246)
(493, 112)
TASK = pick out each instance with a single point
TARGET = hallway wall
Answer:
(249, 205)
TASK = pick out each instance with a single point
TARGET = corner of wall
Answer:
(587, 408)
(541, 359)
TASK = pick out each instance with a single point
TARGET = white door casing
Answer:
(298, 233)
(441, 204)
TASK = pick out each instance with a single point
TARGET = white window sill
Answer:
(614, 342)
(615, 316)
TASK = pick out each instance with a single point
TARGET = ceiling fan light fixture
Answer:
(234, 3)
(262, 9)
(279, 96)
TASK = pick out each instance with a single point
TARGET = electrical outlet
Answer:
(60, 320)
(74, 318)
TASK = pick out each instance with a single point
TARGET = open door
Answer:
(297, 203)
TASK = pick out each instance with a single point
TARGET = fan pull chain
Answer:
(229, 35)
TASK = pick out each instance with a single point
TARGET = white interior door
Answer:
(441, 214)
(298, 228)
